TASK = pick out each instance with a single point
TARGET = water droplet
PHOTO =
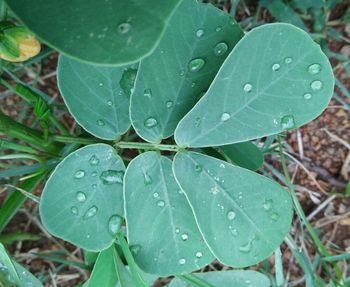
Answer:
(124, 28)
(184, 236)
(234, 232)
(94, 186)
(200, 33)
(276, 67)
(193, 85)
(231, 215)
(196, 64)
(287, 122)
(222, 165)
(101, 123)
(316, 85)
(81, 197)
(268, 204)
(169, 104)
(91, 212)
(288, 60)
(177, 230)
(150, 122)
(199, 254)
(218, 29)
(112, 176)
(114, 224)
(225, 117)
(220, 49)
(214, 190)
(94, 160)
(275, 216)
(198, 168)
(110, 103)
(247, 88)
(314, 69)
(147, 179)
(182, 73)
(307, 96)
(197, 122)
(182, 261)
(246, 248)
(156, 194)
(100, 84)
(147, 93)
(160, 203)
(74, 210)
(79, 174)
(94, 173)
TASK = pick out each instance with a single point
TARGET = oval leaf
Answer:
(275, 79)
(160, 223)
(83, 199)
(243, 216)
(180, 70)
(107, 32)
(236, 278)
(96, 96)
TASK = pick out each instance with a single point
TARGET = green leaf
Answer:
(95, 97)
(236, 278)
(161, 228)
(283, 12)
(275, 79)
(180, 70)
(108, 32)
(242, 215)
(245, 154)
(27, 279)
(104, 272)
(125, 278)
(82, 200)
(8, 272)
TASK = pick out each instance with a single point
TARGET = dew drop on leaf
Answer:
(199, 254)
(150, 122)
(316, 85)
(220, 49)
(200, 33)
(288, 60)
(198, 168)
(94, 173)
(94, 160)
(147, 93)
(214, 190)
(79, 174)
(74, 210)
(110, 103)
(114, 224)
(124, 28)
(246, 248)
(268, 204)
(100, 84)
(247, 88)
(276, 67)
(110, 176)
(196, 64)
(156, 194)
(91, 212)
(314, 69)
(184, 236)
(160, 203)
(182, 261)
(177, 230)
(231, 215)
(225, 117)
(81, 197)
(307, 96)
(169, 104)
(275, 216)
(147, 178)
(287, 122)
(101, 123)
(218, 29)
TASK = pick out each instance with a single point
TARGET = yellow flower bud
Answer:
(28, 48)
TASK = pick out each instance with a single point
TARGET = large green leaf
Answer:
(97, 97)
(8, 272)
(236, 278)
(82, 200)
(275, 79)
(243, 216)
(27, 279)
(104, 32)
(182, 67)
(161, 227)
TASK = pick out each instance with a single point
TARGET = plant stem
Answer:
(4, 144)
(14, 129)
(196, 281)
(71, 139)
(320, 246)
(146, 146)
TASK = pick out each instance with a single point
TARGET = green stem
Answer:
(4, 144)
(146, 146)
(196, 281)
(77, 140)
(130, 260)
(320, 246)
(21, 156)
(14, 129)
